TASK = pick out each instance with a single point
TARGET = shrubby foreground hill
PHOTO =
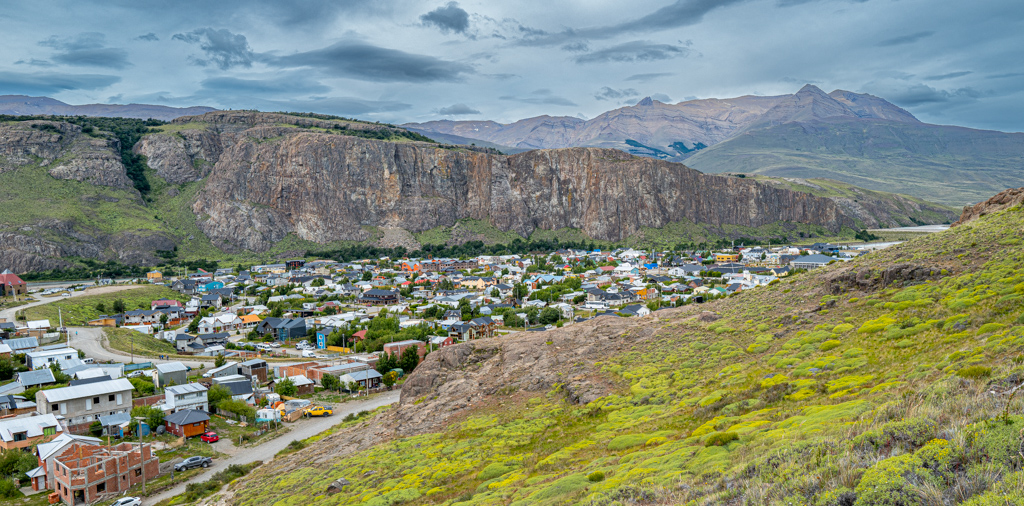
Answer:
(890, 380)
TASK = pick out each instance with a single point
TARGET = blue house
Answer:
(213, 285)
(321, 337)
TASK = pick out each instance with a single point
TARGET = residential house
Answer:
(187, 422)
(377, 297)
(83, 404)
(282, 328)
(12, 404)
(170, 373)
(224, 322)
(22, 345)
(441, 341)
(43, 358)
(240, 387)
(186, 396)
(228, 369)
(303, 385)
(37, 378)
(397, 348)
(11, 284)
(43, 476)
(185, 286)
(255, 368)
(86, 473)
(635, 310)
(18, 433)
(366, 379)
(812, 261)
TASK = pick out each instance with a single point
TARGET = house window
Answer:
(101, 488)
(19, 436)
(54, 407)
(138, 472)
(110, 398)
(49, 431)
(95, 400)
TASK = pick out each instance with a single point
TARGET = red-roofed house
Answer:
(11, 284)
(359, 336)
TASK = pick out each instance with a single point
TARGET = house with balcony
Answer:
(186, 396)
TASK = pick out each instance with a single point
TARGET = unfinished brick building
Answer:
(84, 473)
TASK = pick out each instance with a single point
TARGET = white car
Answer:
(275, 345)
(127, 501)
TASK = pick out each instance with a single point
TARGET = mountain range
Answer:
(852, 137)
(22, 105)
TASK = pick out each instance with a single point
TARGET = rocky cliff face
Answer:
(63, 147)
(1003, 200)
(324, 187)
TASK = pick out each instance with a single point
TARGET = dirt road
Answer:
(100, 290)
(300, 430)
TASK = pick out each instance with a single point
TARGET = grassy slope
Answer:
(79, 310)
(857, 400)
(949, 165)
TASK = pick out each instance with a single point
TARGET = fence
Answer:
(137, 366)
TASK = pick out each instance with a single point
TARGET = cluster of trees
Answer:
(220, 399)
(408, 361)
(15, 463)
(88, 269)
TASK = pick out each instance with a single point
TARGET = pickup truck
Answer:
(320, 411)
(193, 462)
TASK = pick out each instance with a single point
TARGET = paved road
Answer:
(300, 430)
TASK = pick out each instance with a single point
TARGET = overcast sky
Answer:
(947, 62)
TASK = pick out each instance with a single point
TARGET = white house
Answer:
(40, 359)
(187, 396)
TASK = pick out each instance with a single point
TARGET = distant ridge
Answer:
(852, 137)
(23, 105)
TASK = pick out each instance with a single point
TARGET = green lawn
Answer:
(77, 311)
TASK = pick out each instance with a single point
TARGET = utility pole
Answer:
(142, 456)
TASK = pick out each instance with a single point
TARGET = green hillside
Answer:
(949, 165)
(831, 388)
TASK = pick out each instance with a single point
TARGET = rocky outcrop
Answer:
(181, 157)
(1003, 200)
(30, 141)
(325, 187)
(93, 160)
(30, 248)
(454, 378)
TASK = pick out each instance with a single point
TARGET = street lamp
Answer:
(142, 456)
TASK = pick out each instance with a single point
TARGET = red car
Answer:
(209, 437)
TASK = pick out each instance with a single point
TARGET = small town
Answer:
(223, 367)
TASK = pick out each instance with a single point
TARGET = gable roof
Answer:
(170, 367)
(33, 426)
(187, 416)
(37, 377)
(79, 391)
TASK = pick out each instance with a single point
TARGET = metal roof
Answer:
(187, 416)
(185, 389)
(32, 426)
(171, 367)
(92, 389)
(37, 377)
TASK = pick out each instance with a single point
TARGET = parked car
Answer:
(275, 345)
(320, 411)
(127, 501)
(209, 437)
(193, 462)
(136, 374)
(308, 354)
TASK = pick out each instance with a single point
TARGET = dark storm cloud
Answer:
(633, 51)
(679, 14)
(457, 110)
(289, 85)
(37, 83)
(542, 96)
(905, 39)
(951, 75)
(647, 77)
(86, 50)
(366, 62)
(222, 48)
(608, 93)
(449, 18)
(151, 37)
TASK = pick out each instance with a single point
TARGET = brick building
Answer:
(85, 473)
(11, 284)
(398, 348)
